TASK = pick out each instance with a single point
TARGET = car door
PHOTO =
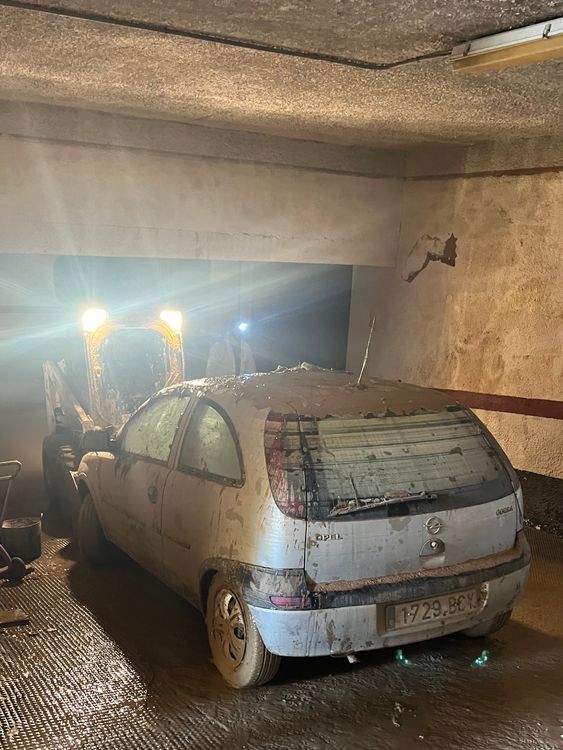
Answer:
(134, 482)
(207, 477)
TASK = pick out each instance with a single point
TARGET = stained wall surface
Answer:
(475, 301)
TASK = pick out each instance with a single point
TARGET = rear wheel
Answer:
(489, 626)
(92, 542)
(237, 648)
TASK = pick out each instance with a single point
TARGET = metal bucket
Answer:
(22, 537)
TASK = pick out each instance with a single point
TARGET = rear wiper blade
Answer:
(369, 503)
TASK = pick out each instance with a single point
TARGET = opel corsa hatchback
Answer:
(305, 516)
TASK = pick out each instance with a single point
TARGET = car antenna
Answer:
(366, 355)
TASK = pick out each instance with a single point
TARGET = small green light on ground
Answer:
(480, 661)
(399, 656)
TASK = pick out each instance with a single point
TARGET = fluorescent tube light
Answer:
(541, 41)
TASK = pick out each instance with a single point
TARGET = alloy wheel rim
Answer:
(229, 628)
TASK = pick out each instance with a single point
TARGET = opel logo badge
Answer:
(433, 525)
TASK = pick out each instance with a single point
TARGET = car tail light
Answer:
(291, 602)
(285, 465)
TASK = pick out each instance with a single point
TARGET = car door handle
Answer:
(152, 494)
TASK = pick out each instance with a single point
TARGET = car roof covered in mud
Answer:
(318, 393)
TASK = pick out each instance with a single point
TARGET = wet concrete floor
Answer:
(112, 659)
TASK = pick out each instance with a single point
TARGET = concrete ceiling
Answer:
(140, 57)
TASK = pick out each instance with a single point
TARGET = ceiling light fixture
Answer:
(509, 49)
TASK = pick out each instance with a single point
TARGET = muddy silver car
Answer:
(305, 516)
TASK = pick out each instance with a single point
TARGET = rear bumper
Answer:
(337, 630)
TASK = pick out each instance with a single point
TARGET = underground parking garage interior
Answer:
(281, 374)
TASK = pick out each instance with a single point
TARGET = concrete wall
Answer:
(80, 182)
(96, 200)
(491, 323)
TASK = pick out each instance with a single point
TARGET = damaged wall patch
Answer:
(425, 249)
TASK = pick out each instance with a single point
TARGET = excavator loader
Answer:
(98, 383)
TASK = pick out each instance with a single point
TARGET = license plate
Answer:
(435, 609)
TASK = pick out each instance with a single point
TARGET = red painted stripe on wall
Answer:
(531, 407)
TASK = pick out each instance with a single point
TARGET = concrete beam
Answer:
(519, 156)
(72, 198)
(69, 125)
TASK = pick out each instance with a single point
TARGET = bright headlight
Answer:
(173, 319)
(93, 318)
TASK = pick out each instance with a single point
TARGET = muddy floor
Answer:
(112, 659)
(543, 498)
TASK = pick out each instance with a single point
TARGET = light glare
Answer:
(173, 319)
(93, 318)
(243, 326)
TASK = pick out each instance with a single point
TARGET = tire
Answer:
(92, 542)
(59, 459)
(238, 651)
(489, 626)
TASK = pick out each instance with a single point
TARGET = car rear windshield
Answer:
(430, 460)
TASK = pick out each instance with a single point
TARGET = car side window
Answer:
(210, 446)
(151, 431)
